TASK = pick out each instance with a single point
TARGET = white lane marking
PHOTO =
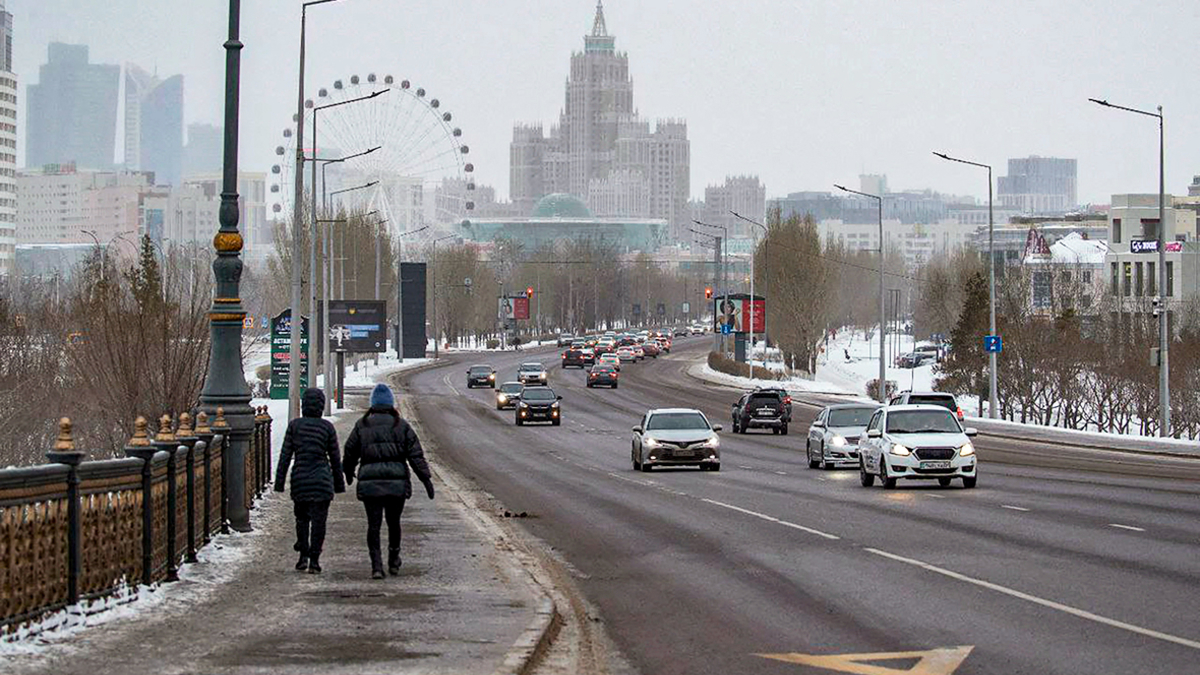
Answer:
(823, 480)
(1127, 527)
(780, 473)
(1074, 611)
(937, 496)
(771, 519)
(744, 467)
(446, 379)
(1013, 508)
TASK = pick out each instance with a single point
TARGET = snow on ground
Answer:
(854, 373)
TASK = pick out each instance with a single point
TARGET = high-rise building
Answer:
(1039, 185)
(59, 203)
(599, 134)
(8, 147)
(154, 125)
(72, 110)
(205, 150)
(745, 195)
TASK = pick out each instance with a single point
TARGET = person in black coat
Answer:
(317, 474)
(383, 447)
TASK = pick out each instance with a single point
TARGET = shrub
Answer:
(723, 364)
(263, 372)
(873, 389)
(493, 343)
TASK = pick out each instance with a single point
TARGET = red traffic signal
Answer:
(708, 293)
(529, 292)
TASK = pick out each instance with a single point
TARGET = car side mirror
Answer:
(818, 424)
(971, 432)
(637, 430)
(717, 427)
(560, 398)
(874, 433)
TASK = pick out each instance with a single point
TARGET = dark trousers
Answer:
(310, 515)
(378, 510)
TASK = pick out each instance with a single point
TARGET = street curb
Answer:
(535, 640)
(692, 371)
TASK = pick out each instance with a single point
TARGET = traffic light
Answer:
(708, 292)
(529, 292)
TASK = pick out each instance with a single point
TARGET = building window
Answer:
(1087, 276)
(1150, 229)
(1126, 278)
(1137, 280)
(1116, 230)
(1115, 279)
(1150, 279)
(1170, 279)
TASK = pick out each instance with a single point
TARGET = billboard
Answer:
(735, 312)
(281, 345)
(358, 325)
(412, 309)
(513, 309)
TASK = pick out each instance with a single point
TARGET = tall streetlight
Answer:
(225, 384)
(312, 248)
(723, 253)
(993, 407)
(400, 291)
(436, 334)
(1164, 342)
(766, 276)
(327, 250)
(882, 389)
(103, 253)
(298, 227)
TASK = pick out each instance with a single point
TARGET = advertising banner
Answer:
(513, 309)
(281, 344)
(358, 326)
(732, 314)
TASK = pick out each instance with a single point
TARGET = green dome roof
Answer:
(561, 205)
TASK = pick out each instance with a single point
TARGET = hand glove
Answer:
(429, 488)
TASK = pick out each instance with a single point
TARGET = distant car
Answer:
(564, 339)
(833, 436)
(532, 373)
(639, 352)
(914, 359)
(602, 375)
(760, 409)
(651, 349)
(699, 330)
(481, 376)
(664, 344)
(675, 437)
(589, 356)
(610, 359)
(916, 442)
(626, 354)
(930, 350)
(507, 395)
(605, 346)
(538, 404)
(943, 399)
(680, 331)
(573, 358)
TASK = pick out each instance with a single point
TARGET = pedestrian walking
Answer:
(312, 443)
(383, 447)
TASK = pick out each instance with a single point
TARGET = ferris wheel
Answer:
(417, 163)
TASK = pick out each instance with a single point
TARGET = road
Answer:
(1076, 563)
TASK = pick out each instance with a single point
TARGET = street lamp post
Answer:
(882, 388)
(1164, 341)
(225, 384)
(436, 334)
(766, 278)
(723, 254)
(101, 252)
(716, 246)
(327, 291)
(993, 406)
(400, 291)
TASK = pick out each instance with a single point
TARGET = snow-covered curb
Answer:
(702, 371)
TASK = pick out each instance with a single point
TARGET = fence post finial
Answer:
(202, 424)
(65, 443)
(164, 434)
(185, 426)
(220, 424)
(141, 437)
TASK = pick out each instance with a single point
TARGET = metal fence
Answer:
(75, 534)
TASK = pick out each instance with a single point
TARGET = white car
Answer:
(626, 354)
(916, 442)
(833, 436)
(676, 437)
(532, 373)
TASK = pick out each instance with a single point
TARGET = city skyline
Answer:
(873, 113)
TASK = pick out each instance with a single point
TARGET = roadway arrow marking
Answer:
(931, 662)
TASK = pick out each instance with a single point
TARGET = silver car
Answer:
(676, 437)
(833, 436)
(532, 373)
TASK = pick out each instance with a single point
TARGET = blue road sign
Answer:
(726, 329)
(993, 344)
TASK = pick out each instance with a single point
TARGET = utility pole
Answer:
(882, 393)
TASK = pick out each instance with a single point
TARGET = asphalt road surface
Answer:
(1061, 561)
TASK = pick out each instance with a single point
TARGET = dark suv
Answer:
(573, 358)
(538, 404)
(481, 376)
(763, 409)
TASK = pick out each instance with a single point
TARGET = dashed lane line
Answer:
(1131, 528)
(780, 473)
(1010, 507)
(1067, 609)
(936, 496)
(771, 519)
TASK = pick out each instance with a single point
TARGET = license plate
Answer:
(935, 465)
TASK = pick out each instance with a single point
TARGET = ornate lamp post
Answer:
(224, 384)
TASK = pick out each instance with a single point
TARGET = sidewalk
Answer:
(458, 606)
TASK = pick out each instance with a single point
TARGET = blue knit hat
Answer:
(382, 397)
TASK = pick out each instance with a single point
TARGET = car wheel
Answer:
(589, 385)
(969, 481)
(884, 479)
(866, 479)
(634, 458)
(734, 426)
(557, 422)
(520, 423)
(499, 407)
(775, 431)
(944, 482)
(783, 429)
(646, 467)
(812, 463)
(714, 467)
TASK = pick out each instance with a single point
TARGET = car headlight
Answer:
(711, 442)
(837, 441)
(524, 404)
(554, 405)
(898, 449)
(650, 443)
(501, 397)
(966, 450)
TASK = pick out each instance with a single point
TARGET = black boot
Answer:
(377, 565)
(314, 566)
(393, 561)
(302, 563)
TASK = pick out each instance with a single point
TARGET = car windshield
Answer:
(511, 388)
(531, 367)
(481, 370)
(850, 417)
(946, 402)
(538, 394)
(676, 421)
(922, 422)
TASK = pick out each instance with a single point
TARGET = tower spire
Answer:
(599, 27)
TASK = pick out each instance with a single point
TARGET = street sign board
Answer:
(281, 344)
(726, 329)
(1143, 246)
(358, 325)
(637, 309)
(687, 308)
(662, 309)
(993, 344)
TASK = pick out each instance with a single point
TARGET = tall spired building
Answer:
(601, 151)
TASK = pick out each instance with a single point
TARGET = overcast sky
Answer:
(803, 94)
